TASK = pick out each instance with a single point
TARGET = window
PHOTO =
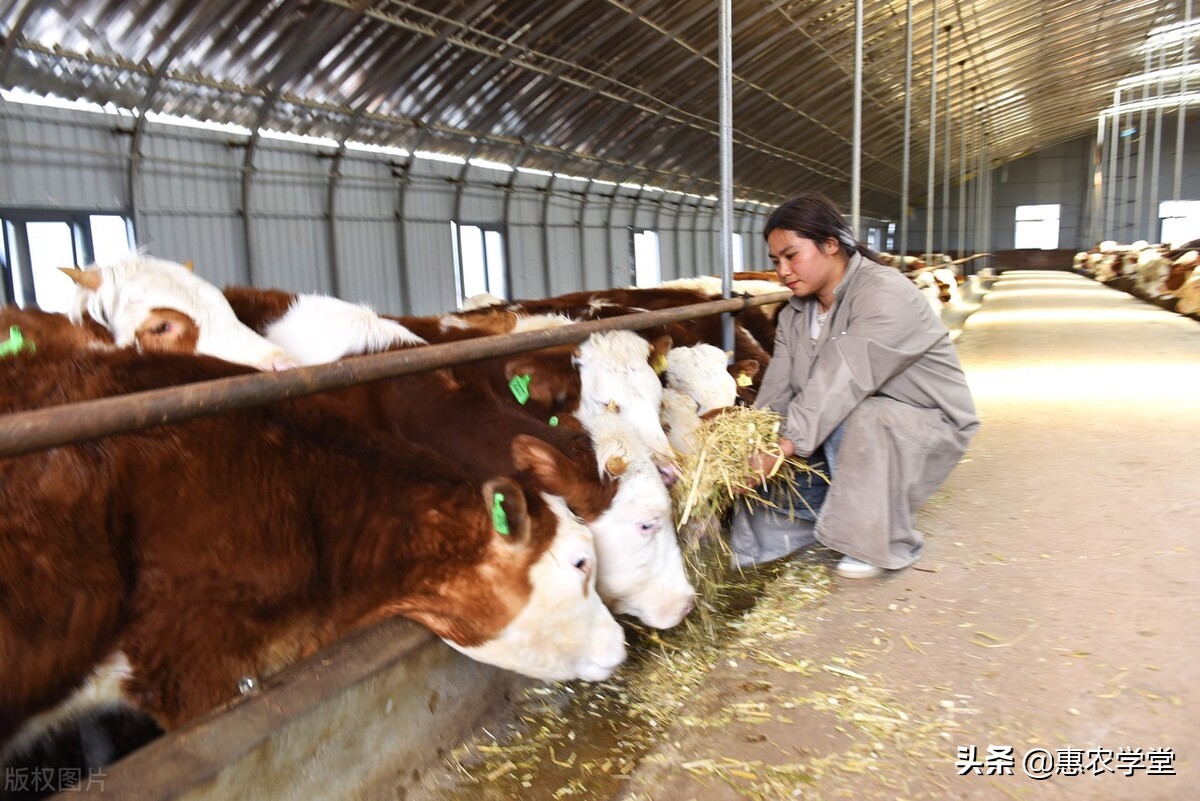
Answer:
(36, 244)
(739, 255)
(874, 237)
(1180, 220)
(891, 236)
(647, 271)
(479, 253)
(1037, 227)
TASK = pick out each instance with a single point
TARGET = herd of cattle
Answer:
(512, 505)
(1159, 273)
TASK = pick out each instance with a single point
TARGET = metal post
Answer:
(726, 100)
(856, 144)
(1119, 188)
(1141, 157)
(929, 204)
(1111, 189)
(1152, 215)
(946, 143)
(985, 208)
(908, 26)
(1185, 43)
(962, 188)
(1098, 180)
(977, 228)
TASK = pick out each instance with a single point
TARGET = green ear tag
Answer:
(520, 387)
(15, 343)
(499, 518)
(554, 421)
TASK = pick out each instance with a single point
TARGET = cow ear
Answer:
(88, 279)
(508, 515)
(547, 386)
(659, 346)
(554, 471)
(448, 627)
(191, 268)
(746, 367)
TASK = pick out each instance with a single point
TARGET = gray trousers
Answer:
(887, 459)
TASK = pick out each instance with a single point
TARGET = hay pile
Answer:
(716, 473)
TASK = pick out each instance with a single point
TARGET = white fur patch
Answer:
(701, 373)
(613, 370)
(540, 322)
(641, 567)
(101, 689)
(318, 329)
(130, 289)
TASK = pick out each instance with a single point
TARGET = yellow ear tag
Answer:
(660, 364)
(743, 380)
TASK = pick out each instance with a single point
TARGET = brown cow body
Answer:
(232, 546)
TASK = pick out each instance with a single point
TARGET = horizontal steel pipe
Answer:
(23, 432)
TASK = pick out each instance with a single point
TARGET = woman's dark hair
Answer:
(814, 216)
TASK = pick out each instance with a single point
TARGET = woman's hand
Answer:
(763, 464)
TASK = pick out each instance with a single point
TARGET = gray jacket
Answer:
(881, 338)
(885, 369)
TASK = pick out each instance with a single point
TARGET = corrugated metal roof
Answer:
(603, 89)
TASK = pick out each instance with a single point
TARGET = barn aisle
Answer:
(1055, 608)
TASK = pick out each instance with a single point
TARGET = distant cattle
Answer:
(197, 554)
(141, 294)
(754, 328)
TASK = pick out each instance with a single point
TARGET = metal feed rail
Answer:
(23, 432)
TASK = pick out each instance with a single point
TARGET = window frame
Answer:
(1040, 219)
(16, 254)
(460, 277)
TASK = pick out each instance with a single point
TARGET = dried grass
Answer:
(716, 473)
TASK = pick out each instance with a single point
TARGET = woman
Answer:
(868, 381)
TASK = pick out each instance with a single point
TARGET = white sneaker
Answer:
(853, 568)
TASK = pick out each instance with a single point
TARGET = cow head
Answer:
(701, 372)
(125, 296)
(641, 567)
(615, 376)
(562, 631)
(640, 570)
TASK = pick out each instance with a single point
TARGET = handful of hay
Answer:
(717, 471)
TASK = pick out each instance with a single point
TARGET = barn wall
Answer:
(369, 227)
(1063, 174)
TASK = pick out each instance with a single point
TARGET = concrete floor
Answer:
(1055, 611)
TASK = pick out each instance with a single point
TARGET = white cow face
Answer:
(125, 295)
(641, 566)
(616, 377)
(701, 372)
(564, 631)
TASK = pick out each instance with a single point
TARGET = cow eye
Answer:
(583, 565)
(162, 328)
(648, 526)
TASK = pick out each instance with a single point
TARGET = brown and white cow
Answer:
(142, 293)
(200, 553)
(478, 420)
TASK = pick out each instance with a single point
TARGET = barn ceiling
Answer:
(624, 92)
